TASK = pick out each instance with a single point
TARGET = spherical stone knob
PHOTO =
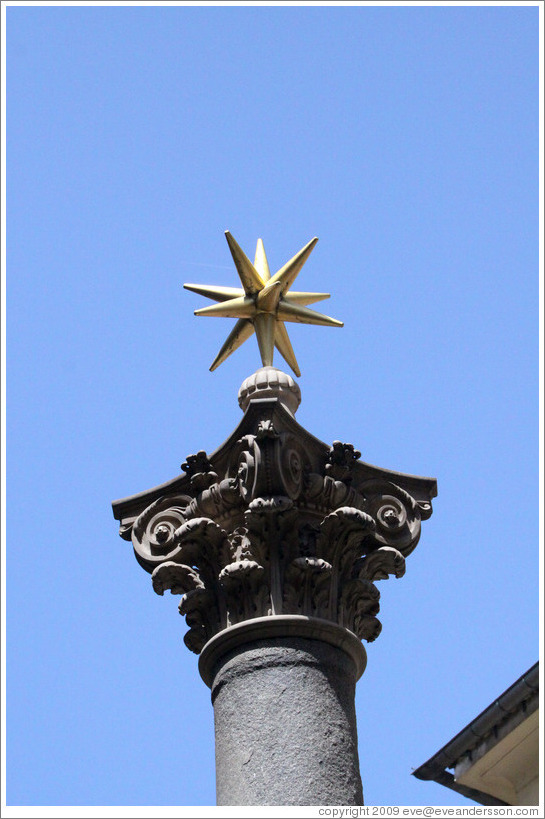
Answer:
(161, 533)
(268, 382)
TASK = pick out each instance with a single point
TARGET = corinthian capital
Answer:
(275, 522)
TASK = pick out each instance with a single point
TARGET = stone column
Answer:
(284, 713)
(275, 543)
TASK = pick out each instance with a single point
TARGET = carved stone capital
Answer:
(276, 524)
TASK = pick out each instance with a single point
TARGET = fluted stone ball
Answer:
(268, 382)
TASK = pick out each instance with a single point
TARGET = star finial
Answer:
(263, 304)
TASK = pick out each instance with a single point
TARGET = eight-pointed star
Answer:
(263, 304)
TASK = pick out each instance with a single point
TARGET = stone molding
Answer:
(276, 523)
(285, 626)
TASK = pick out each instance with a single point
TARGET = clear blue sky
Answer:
(406, 139)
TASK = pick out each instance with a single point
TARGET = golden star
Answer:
(263, 304)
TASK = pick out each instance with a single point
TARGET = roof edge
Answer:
(523, 690)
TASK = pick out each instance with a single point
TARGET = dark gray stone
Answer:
(286, 725)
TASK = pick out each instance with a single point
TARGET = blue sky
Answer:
(406, 139)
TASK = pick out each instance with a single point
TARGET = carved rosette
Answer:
(274, 535)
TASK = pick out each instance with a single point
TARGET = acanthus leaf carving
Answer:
(196, 639)
(270, 527)
(178, 578)
(307, 585)
(381, 563)
(367, 627)
(342, 535)
(198, 604)
(246, 590)
(240, 545)
(200, 609)
(358, 605)
(199, 540)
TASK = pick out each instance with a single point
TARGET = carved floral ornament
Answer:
(273, 534)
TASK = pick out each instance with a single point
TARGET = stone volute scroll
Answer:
(275, 543)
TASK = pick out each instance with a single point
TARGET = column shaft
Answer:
(285, 724)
